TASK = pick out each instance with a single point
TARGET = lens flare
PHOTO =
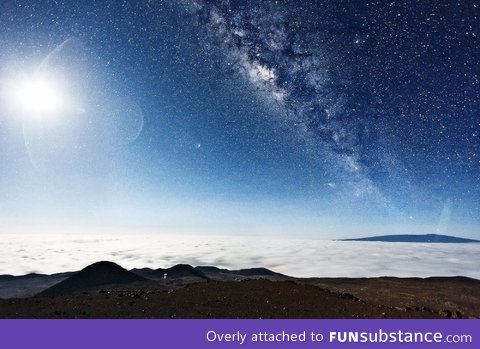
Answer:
(37, 96)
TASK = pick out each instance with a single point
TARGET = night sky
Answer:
(323, 118)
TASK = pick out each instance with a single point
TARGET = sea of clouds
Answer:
(51, 253)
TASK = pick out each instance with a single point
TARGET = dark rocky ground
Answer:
(105, 290)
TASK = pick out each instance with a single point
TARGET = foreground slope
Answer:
(215, 299)
(106, 290)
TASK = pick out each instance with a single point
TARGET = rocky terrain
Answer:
(106, 290)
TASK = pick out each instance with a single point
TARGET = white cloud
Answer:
(49, 253)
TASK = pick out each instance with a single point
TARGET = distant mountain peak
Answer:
(94, 275)
(425, 238)
(177, 271)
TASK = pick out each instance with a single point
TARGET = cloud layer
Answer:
(48, 253)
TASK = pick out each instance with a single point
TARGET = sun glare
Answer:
(37, 96)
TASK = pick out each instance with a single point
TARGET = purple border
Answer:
(119, 334)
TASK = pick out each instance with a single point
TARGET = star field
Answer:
(328, 118)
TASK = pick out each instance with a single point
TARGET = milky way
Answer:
(357, 83)
(292, 64)
(322, 118)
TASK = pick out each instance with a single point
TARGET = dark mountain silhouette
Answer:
(416, 238)
(97, 274)
(204, 272)
(103, 274)
(6, 277)
(28, 285)
(211, 270)
(255, 272)
(252, 272)
(26, 276)
(177, 271)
